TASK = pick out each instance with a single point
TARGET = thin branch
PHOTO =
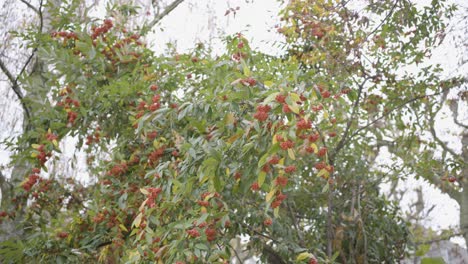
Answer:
(296, 226)
(164, 13)
(15, 87)
(364, 235)
(30, 6)
(444, 238)
(432, 129)
(385, 19)
(330, 233)
(391, 110)
(235, 253)
(454, 108)
(343, 140)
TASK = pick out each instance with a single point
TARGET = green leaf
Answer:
(201, 246)
(437, 260)
(422, 250)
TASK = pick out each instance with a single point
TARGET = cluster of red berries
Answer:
(93, 138)
(155, 155)
(290, 169)
(42, 156)
(152, 196)
(286, 144)
(249, 81)
(32, 179)
(255, 186)
(279, 198)
(274, 160)
(98, 31)
(64, 34)
(118, 169)
(281, 98)
(68, 104)
(62, 235)
(303, 124)
(281, 181)
(193, 233)
(262, 112)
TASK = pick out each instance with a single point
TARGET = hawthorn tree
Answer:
(190, 151)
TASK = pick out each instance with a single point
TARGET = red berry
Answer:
(322, 151)
(154, 87)
(268, 222)
(290, 169)
(255, 186)
(325, 94)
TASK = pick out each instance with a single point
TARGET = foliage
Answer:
(190, 150)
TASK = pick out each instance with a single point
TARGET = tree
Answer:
(190, 151)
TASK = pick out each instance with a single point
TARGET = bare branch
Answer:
(30, 6)
(385, 19)
(344, 139)
(392, 110)
(454, 108)
(164, 13)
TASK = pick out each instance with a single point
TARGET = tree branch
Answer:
(454, 108)
(391, 110)
(385, 19)
(30, 6)
(343, 140)
(15, 87)
(164, 13)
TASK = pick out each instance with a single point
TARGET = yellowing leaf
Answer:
(314, 147)
(270, 97)
(137, 220)
(55, 143)
(123, 228)
(281, 161)
(144, 191)
(325, 115)
(261, 178)
(295, 97)
(35, 146)
(294, 108)
(228, 171)
(291, 154)
(270, 195)
(156, 143)
(246, 69)
(304, 255)
(209, 196)
(268, 83)
(230, 119)
(276, 212)
(34, 154)
(324, 173)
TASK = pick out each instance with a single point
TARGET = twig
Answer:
(440, 239)
(391, 110)
(299, 235)
(330, 233)
(164, 13)
(383, 21)
(30, 6)
(343, 140)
